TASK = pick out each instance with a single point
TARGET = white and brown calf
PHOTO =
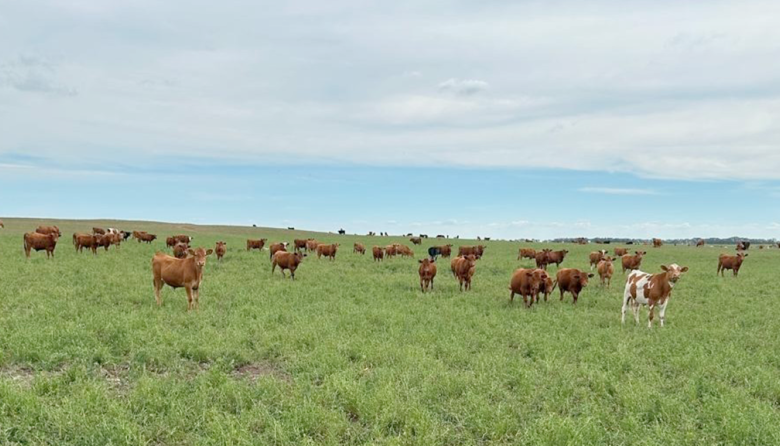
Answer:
(652, 290)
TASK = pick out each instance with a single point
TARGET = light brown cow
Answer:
(81, 241)
(478, 251)
(391, 250)
(220, 250)
(327, 250)
(311, 245)
(651, 290)
(416, 240)
(287, 260)
(731, 262)
(527, 283)
(40, 242)
(463, 268)
(657, 243)
(379, 253)
(526, 253)
(180, 273)
(404, 251)
(606, 269)
(255, 244)
(276, 247)
(427, 273)
(632, 262)
(573, 281)
(100, 231)
(48, 230)
(596, 257)
(359, 248)
(138, 235)
(620, 252)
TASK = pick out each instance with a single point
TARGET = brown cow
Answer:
(170, 242)
(526, 253)
(178, 273)
(103, 240)
(48, 230)
(657, 243)
(276, 247)
(556, 257)
(81, 241)
(255, 244)
(327, 250)
(404, 251)
(287, 260)
(1, 224)
(651, 290)
(416, 240)
(183, 239)
(527, 283)
(311, 245)
(148, 238)
(40, 242)
(359, 248)
(573, 281)
(606, 270)
(542, 258)
(463, 268)
(596, 257)
(730, 262)
(632, 262)
(445, 250)
(379, 253)
(427, 273)
(99, 231)
(546, 287)
(391, 250)
(620, 252)
(138, 235)
(700, 243)
(180, 250)
(477, 251)
(220, 250)
(299, 244)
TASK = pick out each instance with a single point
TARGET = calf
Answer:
(526, 253)
(632, 262)
(527, 283)
(546, 287)
(255, 244)
(620, 252)
(276, 247)
(287, 260)
(606, 270)
(81, 241)
(327, 251)
(427, 273)
(463, 268)
(48, 230)
(730, 262)
(573, 281)
(596, 257)
(651, 290)
(391, 250)
(359, 248)
(220, 250)
(180, 250)
(180, 273)
(379, 253)
(40, 242)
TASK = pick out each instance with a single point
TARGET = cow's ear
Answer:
(590, 275)
(419, 261)
(209, 252)
(684, 269)
(664, 268)
(191, 252)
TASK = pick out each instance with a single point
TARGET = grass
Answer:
(353, 353)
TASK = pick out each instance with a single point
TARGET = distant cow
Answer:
(416, 240)
(311, 245)
(404, 250)
(40, 242)
(48, 230)
(700, 243)
(255, 244)
(180, 250)
(391, 250)
(427, 273)
(477, 251)
(182, 239)
(81, 241)
(542, 258)
(379, 253)
(1, 224)
(657, 243)
(287, 260)
(445, 250)
(573, 281)
(556, 257)
(220, 250)
(100, 231)
(743, 246)
(596, 257)
(526, 253)
(606, 269)
(327, 251)
(730, 262)
(620, 252)
(359, 248)
(632, 262)
(276, 247)
(651, 290)
(463, 268)
(180, 273)
(342, 232)
(433, 252)
(299, 244)
(148, 238)
(527, 283)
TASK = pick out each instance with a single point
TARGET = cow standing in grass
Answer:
(650, 290)
(287, 260)
(427, 273)
(40, 242)
(220, 250)
(463, 268)
(180, 273)
(733, 263)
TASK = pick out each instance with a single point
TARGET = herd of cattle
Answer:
(184, 269)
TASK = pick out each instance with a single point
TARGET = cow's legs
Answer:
(635, 307)
(662, 313)
(650, 316)
(189, 298)
(157, 288)
(623, 310)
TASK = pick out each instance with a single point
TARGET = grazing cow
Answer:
(743, 246)
(416, 240)
(48, 230)
(463, 268)
(327, 251)
(606, 270)
(180, 273)
(220, 250)
(477, 251)
(148, 238)
(427, 273)
(379, 253)
(311, 245)
(391, 250)
(730, 262)
(527, 283)
(620, 252)
(100, 231)
(657, 243)
(573, 281)
(651, 290)
(180, 250)
(404, 250)
(299, 244)
(632, 262)
(81, 241)
(255, 244)
(287, 260)
(276, 247)
(556, 257)
(596, 257)
(526, 253)
(542, 258)
(700, 243)
(40, 242)
(359, 248)
(342, 232)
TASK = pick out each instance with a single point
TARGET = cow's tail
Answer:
(555, 284)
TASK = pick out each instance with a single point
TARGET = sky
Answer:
(524, 119)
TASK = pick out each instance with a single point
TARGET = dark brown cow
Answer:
(556, 257)
(299, 244)
(542, 258)
(100, 231)
(276, 247)
(657, 243)
(416, 240)
(427, 273)
(573, 281)
(180, 250)
(463, 268)
(606, 269)
(359, 248)
(180, 273)
(620, 252)
(632, 262)
(255, 244)
(287, 260)
(651, 290)
(40, 242)
(445, 250)
(103, 240)
(700, 243)
(527, 283)
(81, 241)
(48, 230)
(477, 251)
(327, 251)
(731, 262)
(379, 253)
(596, 257)
(147, 238)
(526, 253)
(220, 250)
(183, 238)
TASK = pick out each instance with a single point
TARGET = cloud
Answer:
(465, 87)
(617, 191)
(28, 73)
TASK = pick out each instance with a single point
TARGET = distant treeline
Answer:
(687, 241)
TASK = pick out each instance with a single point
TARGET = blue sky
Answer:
(505, 119)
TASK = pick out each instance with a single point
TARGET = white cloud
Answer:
(463, 87)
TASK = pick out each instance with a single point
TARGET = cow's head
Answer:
(640, 253)
(581, 278)
(674, 271)
(200, 254)
(221, 244)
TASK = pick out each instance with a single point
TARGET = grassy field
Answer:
(353, 353)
